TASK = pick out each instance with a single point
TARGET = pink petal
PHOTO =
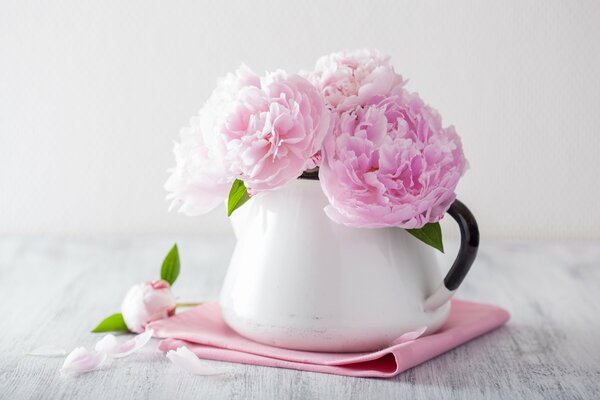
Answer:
(408, 336)
(82, 360)
(48, 351)
(185, 359)
(159, 284)
(108, 344)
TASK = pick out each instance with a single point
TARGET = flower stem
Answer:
(188, 304)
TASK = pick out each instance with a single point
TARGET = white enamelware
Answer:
(301, 281)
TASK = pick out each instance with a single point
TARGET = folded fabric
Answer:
(204, 332)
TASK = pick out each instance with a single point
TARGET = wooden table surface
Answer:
(54, 290)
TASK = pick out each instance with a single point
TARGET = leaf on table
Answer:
(171, 266)
(114, 323)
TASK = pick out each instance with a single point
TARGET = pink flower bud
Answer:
(147, 302)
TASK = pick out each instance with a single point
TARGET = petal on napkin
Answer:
(108, 344)
(82, 360)
(412, 335)
(48, 351)
(185, 359)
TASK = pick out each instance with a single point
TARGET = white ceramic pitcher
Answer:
(301, 281)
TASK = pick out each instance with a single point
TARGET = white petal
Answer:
(82, 360)
(108, 344)
(408, 336)
(48, 351)
(185, 359)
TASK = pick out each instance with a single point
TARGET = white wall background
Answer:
(92, 94)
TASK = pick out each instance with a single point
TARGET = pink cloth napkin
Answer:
(204, 332)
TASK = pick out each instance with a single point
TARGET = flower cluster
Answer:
(384, 157)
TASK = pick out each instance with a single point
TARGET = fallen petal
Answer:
(108, 344)
(48, 351)
(82, 360)
(185, 359)
(408, 336)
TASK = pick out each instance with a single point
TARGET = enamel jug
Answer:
(301, 281)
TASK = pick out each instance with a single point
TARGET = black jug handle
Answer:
(469, 244)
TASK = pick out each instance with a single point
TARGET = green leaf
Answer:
(170, 266)
(430, 234)
(238, 195)
(114, 323)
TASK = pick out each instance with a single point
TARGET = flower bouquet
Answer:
(382, 154)
(374, 163)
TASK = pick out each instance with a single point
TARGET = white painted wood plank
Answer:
(54, 290)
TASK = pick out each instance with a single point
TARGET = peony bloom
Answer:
(147, 302)
(200, 181)
(272, 131)
(391, 163)
(359, 77)
(263, 130)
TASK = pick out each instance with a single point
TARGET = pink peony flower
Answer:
(359, 77)
(200, 181)
(265, 131)
(391, 163)
(273, 130)
(147, 302)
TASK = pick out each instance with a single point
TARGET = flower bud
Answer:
(147, 302)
